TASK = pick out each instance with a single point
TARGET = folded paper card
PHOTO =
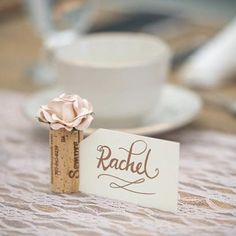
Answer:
(129, 167)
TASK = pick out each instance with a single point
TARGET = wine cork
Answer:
(64, 148)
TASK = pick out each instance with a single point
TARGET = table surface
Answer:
(207, 191)
(207, 188)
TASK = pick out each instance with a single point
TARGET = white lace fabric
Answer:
(207, 188)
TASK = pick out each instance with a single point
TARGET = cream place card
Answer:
(129, 167)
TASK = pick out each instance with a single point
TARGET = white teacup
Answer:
(122, 74)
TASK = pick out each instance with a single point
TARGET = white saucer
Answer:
(178, 107)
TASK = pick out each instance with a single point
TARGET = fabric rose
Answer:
(67, 111)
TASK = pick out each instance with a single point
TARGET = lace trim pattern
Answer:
(207, 188)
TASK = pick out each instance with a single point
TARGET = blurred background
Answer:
(31, 30)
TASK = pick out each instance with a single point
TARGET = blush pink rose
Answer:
(67, 111)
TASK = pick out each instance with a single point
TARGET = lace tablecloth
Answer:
(207, 189)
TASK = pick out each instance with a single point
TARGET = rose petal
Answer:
(62, 95)
(47, 116)
(66, 124)
(57, 126)
(41, 116)
(85, 103)
(85, 123)
(75, 122)
(44, 107)
(69, 98)
(77, 105)
(67, 112)
(56, 108)
(57, 119)
(68, 128)
(90, 108)
(85, 113)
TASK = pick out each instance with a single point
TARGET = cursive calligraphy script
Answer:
(107, 161)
